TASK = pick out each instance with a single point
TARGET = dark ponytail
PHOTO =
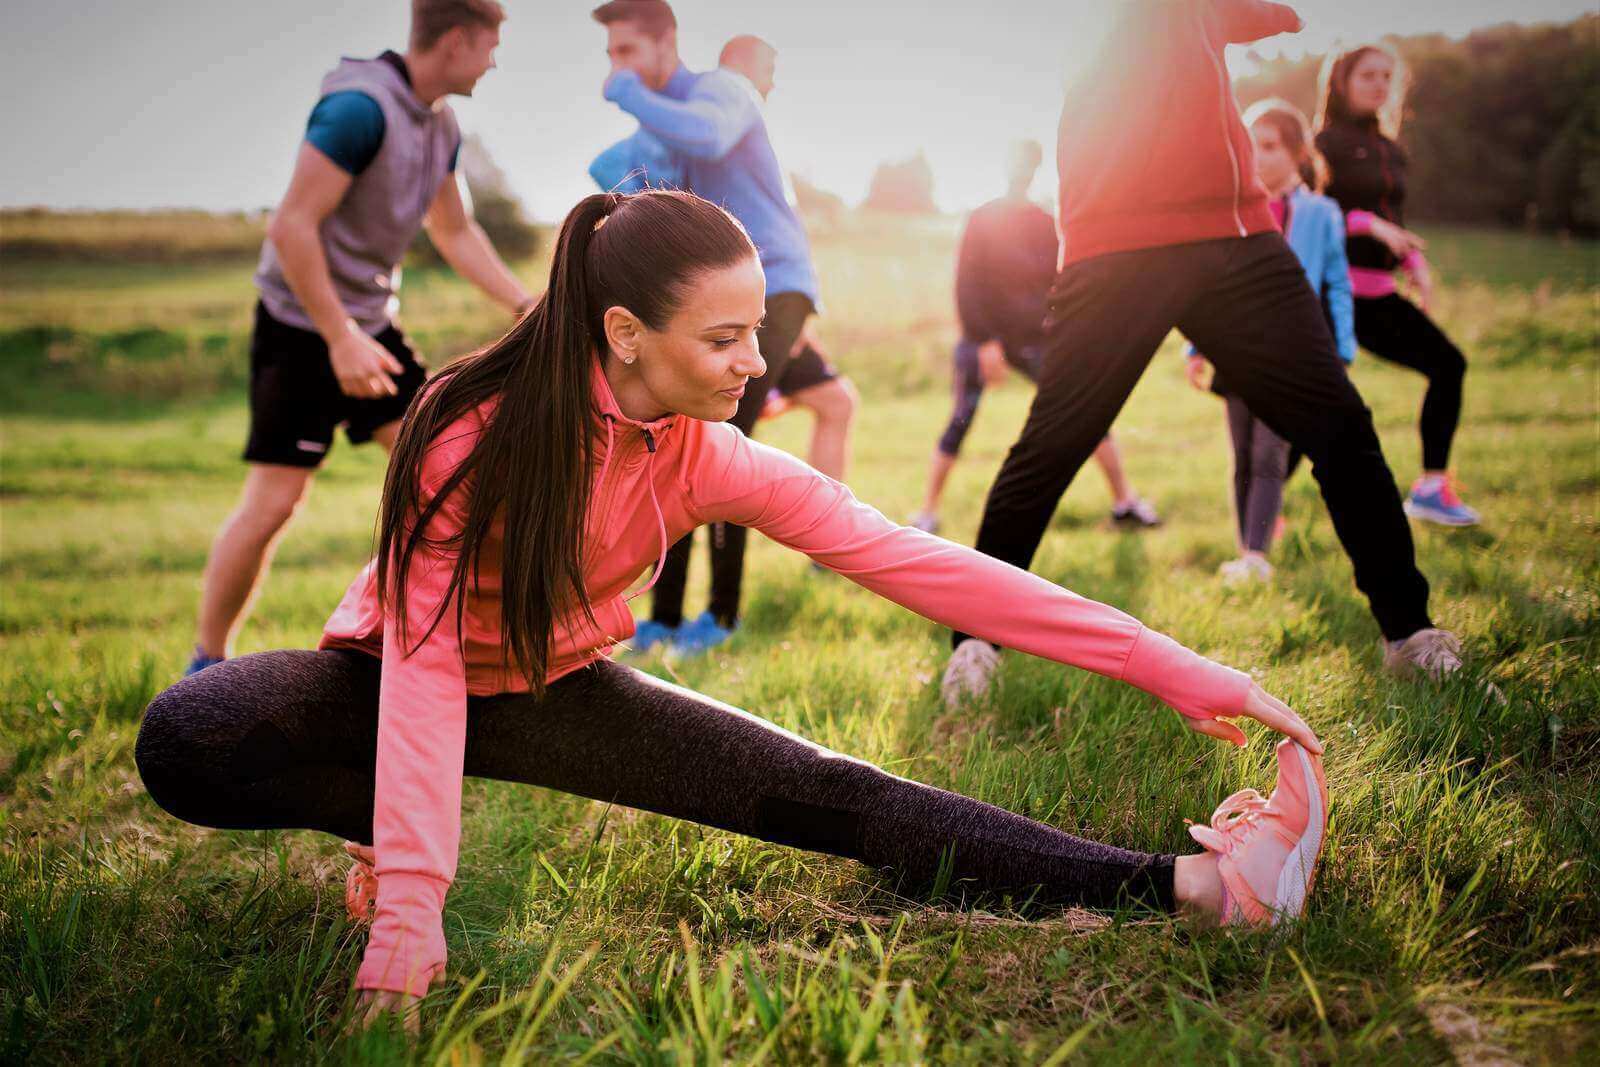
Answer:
(532, 464)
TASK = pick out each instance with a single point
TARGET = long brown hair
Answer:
(532, 462)
(1334, 89)
(1295, 133)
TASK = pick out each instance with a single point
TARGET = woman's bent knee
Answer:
(166, 753)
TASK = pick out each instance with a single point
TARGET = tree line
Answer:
(1503, 126)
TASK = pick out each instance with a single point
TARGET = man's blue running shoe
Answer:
(701, 634)
(1435, 500)
(200, 662)
(648, 634)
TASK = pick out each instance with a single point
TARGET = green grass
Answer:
(1456, 913)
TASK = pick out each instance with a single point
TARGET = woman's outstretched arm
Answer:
(738, 480)
(422, 724)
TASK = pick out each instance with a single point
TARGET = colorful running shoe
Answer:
(648, 634)
(701, 634)
(1136, 512)
(201, 661)
(361, 884)
(1433, 499)
(1267, 848)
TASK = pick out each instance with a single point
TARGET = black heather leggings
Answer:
(288, 740)
(1393, 328)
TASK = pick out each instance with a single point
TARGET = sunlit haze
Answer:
(190, 103)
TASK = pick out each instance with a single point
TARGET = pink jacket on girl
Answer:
(656, 482)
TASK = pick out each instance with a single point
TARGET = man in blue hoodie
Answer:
(706, 133)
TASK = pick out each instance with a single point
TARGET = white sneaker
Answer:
(926, 521)
(1245, 570)
(968, 674)
(1436, 653)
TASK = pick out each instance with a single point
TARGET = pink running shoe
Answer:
(1267, 848)
(361, 884)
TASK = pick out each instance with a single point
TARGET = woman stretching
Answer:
(533, 482)
(1314, 227)
(1361, 104)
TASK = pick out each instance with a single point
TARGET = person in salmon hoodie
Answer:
(1165, 225)
(533, 483)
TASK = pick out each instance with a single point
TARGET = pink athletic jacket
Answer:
(655, 482)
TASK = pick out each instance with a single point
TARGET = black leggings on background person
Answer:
(1393, 328)
(288, 740)
(1245, 303)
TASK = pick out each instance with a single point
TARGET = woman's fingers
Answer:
(1270, 711)
(1224, 731)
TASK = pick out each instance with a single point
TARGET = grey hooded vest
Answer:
(365, 237)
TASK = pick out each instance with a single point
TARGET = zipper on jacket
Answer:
(1227, 131)
(650, 441)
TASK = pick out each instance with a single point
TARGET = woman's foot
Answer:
(1135, 512)
(361, 884)
(926, 521)
(1267, 848)
(1245, 570)
(648, 634)
(968, 674)
(1433, 499)
(701, 634)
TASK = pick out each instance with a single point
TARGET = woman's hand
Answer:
(1197, 369)
(1400, 241)
(1266, 709)
(377, 1004)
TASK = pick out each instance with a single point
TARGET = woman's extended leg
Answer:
(288, 740)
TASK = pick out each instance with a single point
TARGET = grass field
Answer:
(1456, 916)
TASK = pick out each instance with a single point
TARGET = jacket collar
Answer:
(606, 401)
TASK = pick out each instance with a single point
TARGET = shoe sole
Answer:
(1300, 866)
(1438, 518)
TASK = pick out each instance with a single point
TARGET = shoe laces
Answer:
(1232, 824)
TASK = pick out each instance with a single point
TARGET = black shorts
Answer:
(296, 402)
(788, 372)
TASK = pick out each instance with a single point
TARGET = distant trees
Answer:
(494, 205)
(1503, 127)
(905, 187)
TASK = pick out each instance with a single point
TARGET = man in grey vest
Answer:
(377, 164)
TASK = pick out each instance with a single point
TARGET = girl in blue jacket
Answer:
(1314, 226)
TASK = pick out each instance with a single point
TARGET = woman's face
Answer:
(697, 364)
(1368, 87)
(1275, 166)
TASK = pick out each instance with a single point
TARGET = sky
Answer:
(201, 103)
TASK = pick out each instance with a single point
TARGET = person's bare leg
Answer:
(834, 405)
(1109, 457)
(938, 473)
(243, 548)
(387, 434)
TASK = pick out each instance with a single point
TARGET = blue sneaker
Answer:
(200, 662)
(701, 634)
(648, 634)
(1435, 500)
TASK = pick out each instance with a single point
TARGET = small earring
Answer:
(628, 360)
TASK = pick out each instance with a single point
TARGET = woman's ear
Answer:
(624, 334)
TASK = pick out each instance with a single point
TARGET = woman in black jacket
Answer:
(1362, 97)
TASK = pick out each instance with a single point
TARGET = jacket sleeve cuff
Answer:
(406, 950)
(1194, 686)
